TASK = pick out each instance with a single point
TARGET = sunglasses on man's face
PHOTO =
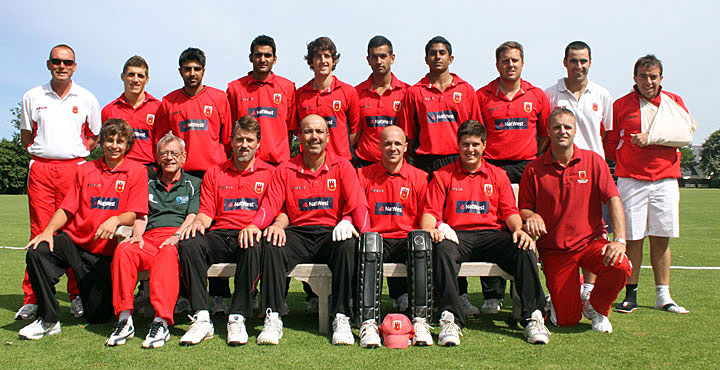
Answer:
(66, 62)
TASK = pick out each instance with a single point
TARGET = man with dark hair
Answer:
(381, 96)
(267, 97)
(466, 206)
(321, 194)
(231, 195)
(106, 193)
(330, 98)
(434, 107)
(560, 199)
(58, 126)
(137, 107)
(647, 174)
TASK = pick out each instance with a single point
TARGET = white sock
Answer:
(588, 287)
(125, 315)
(203, 315)
(662, 294)
(161, 320)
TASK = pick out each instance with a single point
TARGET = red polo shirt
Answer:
(512, 125)
(232, 197)
(470, 201)
(100, 193)
(203, 121)
(569, 199)
(377, 112)
(433, 116)
(322, 198)
(141, 119)
(650, 163)
(272, 103)
(395, 199)
(339, 106)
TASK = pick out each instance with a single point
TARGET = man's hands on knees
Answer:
(344, 230)
(137, 239)
(447, 233)
(535, 226)
(249, 236)
(42, 237)
(523, 240)
(275, 235)
(613, 252)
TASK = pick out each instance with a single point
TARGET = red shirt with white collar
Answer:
(203, 121)
(339, 105)
(395, 199)
(470, 200)
(569, 199)
(377, 112)
(513, 124)
(100, 193)
(650, 163)
(231, 197)
(272, 103)
(141, 119)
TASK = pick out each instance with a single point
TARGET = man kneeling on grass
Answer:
(173, 202)
(107, 192)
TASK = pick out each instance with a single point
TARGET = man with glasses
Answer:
(59, 125)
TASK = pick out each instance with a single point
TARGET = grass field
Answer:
(646, 338)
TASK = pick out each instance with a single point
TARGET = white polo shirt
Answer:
(593, 112)
(59, 125)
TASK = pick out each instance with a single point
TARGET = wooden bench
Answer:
(319, 277)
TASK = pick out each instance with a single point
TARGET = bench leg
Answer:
(321, 286)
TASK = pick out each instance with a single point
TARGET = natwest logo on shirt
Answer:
(388, 209)
(472, 206)
(234, 204)
(511, 123)
(141, 134)
(308, 204)
(442, 116)
(263, 112)
(331, 121)
(193, 125)
(105, 203)
(379, 121)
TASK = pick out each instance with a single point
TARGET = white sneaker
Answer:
(585, 295)
(535, 331)
(157, 336)
(342, 334)
(312, 306)
(422, 335)
(599, 322)
(468, 307)
(38, 329)
(450, 332)
(219, 306)
(272, 329)
(76, 307)
(491, 306)
(401, 303)
(671, 307)
(182, 305)
(27, 311)
(198, 331)
(236, 333)
(369, 335)
(124, 330)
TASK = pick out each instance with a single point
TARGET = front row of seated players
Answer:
(106, 193)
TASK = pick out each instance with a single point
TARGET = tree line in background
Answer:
(14, 158)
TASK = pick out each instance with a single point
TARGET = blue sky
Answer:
(105, 33)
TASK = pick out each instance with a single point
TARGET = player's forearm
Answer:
(126, 218)
(428, 221)
(92, 142)
(25, 138)
(361, 218)
(189, 219)
(514, 222)
(526, 213)
(203, 219)
(282, 221)
(263, 217)
(58, 220)
(139, 225)
(617, 217)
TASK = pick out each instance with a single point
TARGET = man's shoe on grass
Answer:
(626, 307)
(199, 330)
(157, 336)
(468, 307)
(536, 332)
(219, 306)
(401, 303)
(76, 307)
(369, 335)
(600, 322)
(491, 306)
(124, 330)
(671, 307)
(272, 329)
(236, 333)
(26, 312)
(422, 335)
(38, 329)
(342, 334)
(450, 332)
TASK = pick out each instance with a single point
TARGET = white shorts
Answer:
(651, 207)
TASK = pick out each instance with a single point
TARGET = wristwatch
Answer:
(621, 241)
(177, 235)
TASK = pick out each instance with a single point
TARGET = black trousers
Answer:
(431, 163)
(219, 246)
(92, 272)
(308, 244)
(493, 246)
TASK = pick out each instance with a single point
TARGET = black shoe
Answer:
(626, 307)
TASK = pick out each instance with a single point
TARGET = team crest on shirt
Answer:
(457, 97)
(337, 105)
(331, 184)
(119, 186)
(582, 177)
(404, 192)
(75, 109)
(208, 110)
(488, 190)
(528, 106)
(396, 105)
(150, 119)
(595, 107)
(259, 187)
(277, 98)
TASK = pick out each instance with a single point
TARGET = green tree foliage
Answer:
(687, 158)
(14, 160)
(710, 156)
